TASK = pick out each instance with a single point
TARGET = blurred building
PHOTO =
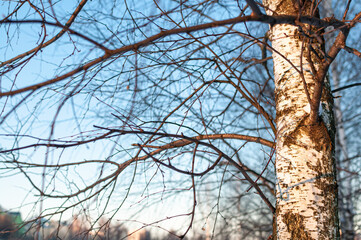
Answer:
(142, 234)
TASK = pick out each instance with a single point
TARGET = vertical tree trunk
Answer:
(305, 166)
(346, 204)
(345, 195)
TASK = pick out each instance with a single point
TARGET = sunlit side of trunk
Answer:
(306, 183)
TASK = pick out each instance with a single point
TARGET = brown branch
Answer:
(209, 168)
(65, 28)
(110, 177)
(217, 150)
(281, 19)
(175, 144)
(57, 145)
(338, 44)
(253, 5)
(184, 142)
(50, 41)
(352, 50)
(346, 10)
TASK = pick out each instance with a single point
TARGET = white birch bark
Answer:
(306, 181)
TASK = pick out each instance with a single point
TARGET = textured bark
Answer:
(305, 166)
(345, 196)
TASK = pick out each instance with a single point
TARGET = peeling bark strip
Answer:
(306, 180)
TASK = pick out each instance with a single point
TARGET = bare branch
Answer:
(50, 41)
(110, 53)
(254, 7)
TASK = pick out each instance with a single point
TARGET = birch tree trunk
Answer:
(305, 165)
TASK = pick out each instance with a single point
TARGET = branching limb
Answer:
(214, 148)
